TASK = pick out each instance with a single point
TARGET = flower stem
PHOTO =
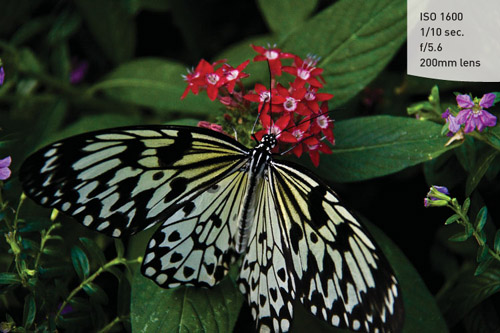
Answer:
(102, 269)
(464, 221)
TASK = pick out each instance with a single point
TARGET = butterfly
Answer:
(215, 198)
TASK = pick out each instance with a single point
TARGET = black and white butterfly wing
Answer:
(195, 245)
(266, 275)
(340, 275)
(120, 181)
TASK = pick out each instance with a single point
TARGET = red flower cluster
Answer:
(296, 113)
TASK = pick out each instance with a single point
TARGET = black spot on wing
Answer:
(314, 199)
(170, 154)
(178, 186)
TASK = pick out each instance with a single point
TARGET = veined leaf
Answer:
(479, 170)
(184, 309)
(371, 147)
(355, 40)
(80, 262)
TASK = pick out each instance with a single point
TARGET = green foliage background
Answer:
(136, 50)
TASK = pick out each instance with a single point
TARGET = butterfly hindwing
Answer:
(341, 276)
(266, 272)
(194, 245)
(124, 180)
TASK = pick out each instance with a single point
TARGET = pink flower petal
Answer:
(487, 118)
(5, 162)
(4, 173)
(464, 101)
(487, 100)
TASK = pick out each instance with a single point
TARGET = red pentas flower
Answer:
(306, 71)
(273, 56)
(291, 111)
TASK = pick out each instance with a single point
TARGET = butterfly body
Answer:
(214, 197)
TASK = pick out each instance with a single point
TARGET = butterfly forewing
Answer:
(341, 276)
(124, 180)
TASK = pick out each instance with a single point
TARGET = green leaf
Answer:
(184, 309)
(93, 250)
(481, 218)
(155, 83)
(112, 26)
(369, 147)
(96, 293)
(29, 312)
(480, 168)
(497, 242)
(493, 136)
(465, 206)
(355, 39)
(483, 254)
(92, 123)
(80, 262)
(9, 278)
(283, 16)
(468, 290)
(460, 237)
(123, 298)
(452, 219)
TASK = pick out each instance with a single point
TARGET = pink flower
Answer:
(4, 168)
(473, 114)
(453, 124)
(273, 56)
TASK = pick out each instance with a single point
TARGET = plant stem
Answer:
(110, 325)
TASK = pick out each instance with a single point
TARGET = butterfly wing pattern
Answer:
(303, 243)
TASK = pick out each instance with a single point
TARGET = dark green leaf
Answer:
(493, 136)
(92, 123)
(371, 147)
(58, 270)
(483, 266)
(467, 292)
(93, 250)
(480, 168)
(65, 25)
(481, 218)
(123, 298)
(466, 154)
(452, 219)
(29, 312)
(483, 318)
(283, 16)
(37, 224)
(465, 206)
(155, 83)
(9, 278)
(497, 242)
(483, 253)
(30, 29)
(112, 26)
(96, 293)
(355, 40)
(184, 309)
(80, 304)
(80, 262)
(460, 237)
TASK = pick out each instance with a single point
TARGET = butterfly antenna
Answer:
(268, 100)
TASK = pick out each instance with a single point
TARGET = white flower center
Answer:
(304, 74)
(310, 95)
(213, 78)
(298, 134)
(232, 75)
(290, 104)
(271, 54)
(322, 121)
(265, 96)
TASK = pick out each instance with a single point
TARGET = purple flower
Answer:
(437, 196)
(2, 75)
(473, 114)
(4, 168)
(453, 125)
(78, 71)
